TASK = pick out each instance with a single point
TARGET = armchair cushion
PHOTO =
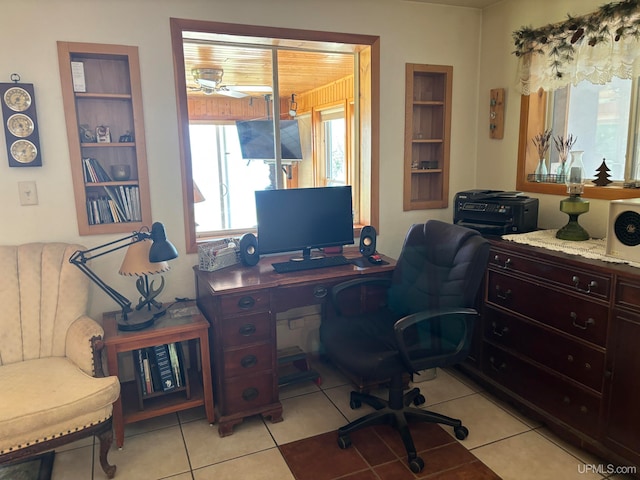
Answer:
(40, 397)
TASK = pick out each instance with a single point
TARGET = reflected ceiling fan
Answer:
(209, 82)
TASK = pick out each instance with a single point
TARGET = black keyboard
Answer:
(296, 266)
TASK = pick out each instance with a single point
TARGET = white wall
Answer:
(409, 31)
(497, 159)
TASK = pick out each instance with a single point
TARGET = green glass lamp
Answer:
(574, 205)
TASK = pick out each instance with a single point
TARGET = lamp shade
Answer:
(162, 249)
(136, 261)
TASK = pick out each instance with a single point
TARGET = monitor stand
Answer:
(306, 255)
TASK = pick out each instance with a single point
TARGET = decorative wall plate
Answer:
(20, 123)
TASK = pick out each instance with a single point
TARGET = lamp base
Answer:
(574, 206)
(139, 319)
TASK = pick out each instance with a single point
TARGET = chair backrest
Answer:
(41, 294)
(440, 265)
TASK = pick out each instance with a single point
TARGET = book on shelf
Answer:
(156, 383)
(166, 380)
(94, 172)
(139, 366)
(147, 372)
(175, 363)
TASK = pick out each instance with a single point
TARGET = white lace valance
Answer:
(593, 47)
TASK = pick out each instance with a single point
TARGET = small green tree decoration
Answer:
(602, 177)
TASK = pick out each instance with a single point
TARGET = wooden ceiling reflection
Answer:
(298, 72)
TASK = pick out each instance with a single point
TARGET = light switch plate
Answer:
(28, 193)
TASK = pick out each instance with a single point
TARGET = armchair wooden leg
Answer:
(106, 439)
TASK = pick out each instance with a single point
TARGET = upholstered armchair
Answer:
(53, 390)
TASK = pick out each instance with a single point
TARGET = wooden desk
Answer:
(241, 304)
(179, 324)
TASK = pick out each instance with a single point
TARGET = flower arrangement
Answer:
(542, 142)
(563, 145)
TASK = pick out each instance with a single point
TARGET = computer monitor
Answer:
(303, 219)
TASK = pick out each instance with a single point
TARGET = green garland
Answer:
(560, 39)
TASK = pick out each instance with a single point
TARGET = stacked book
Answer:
(120, 204)
(159, 368)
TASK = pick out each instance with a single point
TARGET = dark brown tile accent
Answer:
(377, 453)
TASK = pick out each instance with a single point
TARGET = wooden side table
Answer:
(182, 322)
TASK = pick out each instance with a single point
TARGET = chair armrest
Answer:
(434, 320)
(84, 344)
(341, 287)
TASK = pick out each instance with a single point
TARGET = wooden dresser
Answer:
(560, 339)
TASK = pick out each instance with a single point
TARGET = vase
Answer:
(541, 171)
(561, 172)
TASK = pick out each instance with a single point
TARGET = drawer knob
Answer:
(566, 400)
(497, 368)
(248, 361)
(570, 358)
(576, 283)
(249, 394)
(502, 295)
(506, 263)
(587, 366)
(320, 291)
(499, 331)
(581, 326)
(246, 302)
(247, 329)
(584, 409)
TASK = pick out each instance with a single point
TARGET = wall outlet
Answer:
(28, 193)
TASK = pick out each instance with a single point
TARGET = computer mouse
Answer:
(375, 259)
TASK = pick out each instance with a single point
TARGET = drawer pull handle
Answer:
(576, 282)
(246, 302)
(247, 329)
(498, 368)
(501, 295)
(584, 409)
(506, 263)
(587, 366)
(499, 332)
(249, 394)
(570, 358)
(574, 318)
(320, 291)
(249, 361)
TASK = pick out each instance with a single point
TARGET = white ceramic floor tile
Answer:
(75, 463)
(340, 396)
(296, 389)
(266, 465)
(486, 421)
(148, 456)
(206, 447)
(512, 410)
(530, 456)
(442, 388)
(192, 414)
(305, 416)
(150, 425)
(331, 376)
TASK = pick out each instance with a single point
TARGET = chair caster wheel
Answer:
(355, 404)
(419, 400)
(344, 441)
(416, 465)
(461, 432)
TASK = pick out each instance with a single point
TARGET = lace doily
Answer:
(593, 248)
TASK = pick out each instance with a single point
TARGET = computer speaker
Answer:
(623, 235)
(368, 241)
(249, 250)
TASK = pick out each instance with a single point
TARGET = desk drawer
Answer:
(572, 358)
(552, 394)
(550, 306)
(246, 329)
(256, 301)
(242, 394)
(580, 281)
(285, 298)
(245, 361)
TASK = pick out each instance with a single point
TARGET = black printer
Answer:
(496, 212)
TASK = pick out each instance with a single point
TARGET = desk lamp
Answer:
(160, 250)
(574, 205)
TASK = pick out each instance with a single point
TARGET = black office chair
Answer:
(428, 322)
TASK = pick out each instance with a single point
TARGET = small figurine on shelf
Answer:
(103, 134)
(542, 142)
(86, 135)
(602, 178)
(126, 138)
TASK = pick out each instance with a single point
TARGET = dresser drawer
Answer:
(563, 400)
(572, 358)
(257, 301)
(580, 281)
(248, 360)
(628, 293)
(286, 298)
(246, 329)
(550, 306)
(242, 394)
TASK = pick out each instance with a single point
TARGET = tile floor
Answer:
(185, 447)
